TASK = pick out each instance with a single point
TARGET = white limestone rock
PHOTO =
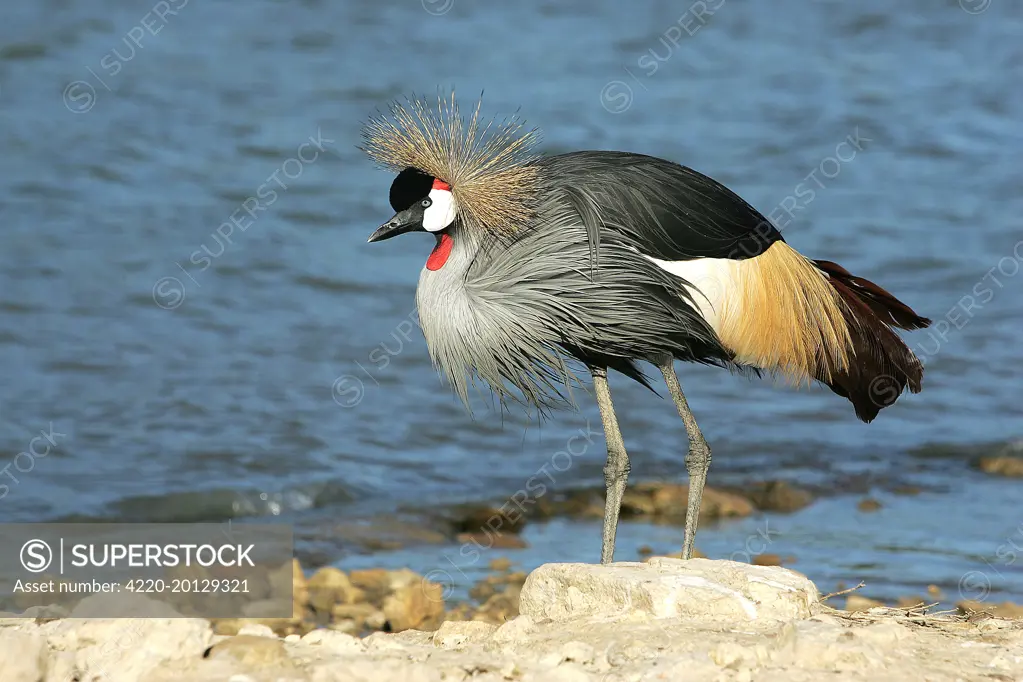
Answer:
(698, 589)
(23, 657)
(456, 634)
(127, 649)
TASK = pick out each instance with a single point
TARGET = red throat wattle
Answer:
(439, 255)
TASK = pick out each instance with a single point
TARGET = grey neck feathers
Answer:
(476, 330)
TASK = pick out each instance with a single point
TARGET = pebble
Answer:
(767, 560)
(331, 639)
(251, 650)
(454, 634)
(256, 630)
(779, 496)
(868, 504)
(501, 563)
(1002, 466)
(855, 602)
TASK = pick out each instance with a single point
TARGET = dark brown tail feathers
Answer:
(881, 365)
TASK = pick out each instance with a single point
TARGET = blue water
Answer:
(278, 374)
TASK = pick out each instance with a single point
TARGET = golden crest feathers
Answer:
(487, 164)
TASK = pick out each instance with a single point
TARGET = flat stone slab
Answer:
(697, 589)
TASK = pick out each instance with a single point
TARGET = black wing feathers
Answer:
(667, 211)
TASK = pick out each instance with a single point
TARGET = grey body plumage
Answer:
(513, 310)
(610, 259)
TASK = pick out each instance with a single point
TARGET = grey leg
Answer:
(616, 471)
(697, 459)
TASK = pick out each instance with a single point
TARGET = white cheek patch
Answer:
(441, 213)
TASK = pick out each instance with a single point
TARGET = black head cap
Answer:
(410, 186)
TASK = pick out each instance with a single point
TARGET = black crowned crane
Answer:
(612, 259)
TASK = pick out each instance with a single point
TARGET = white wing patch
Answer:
(442, 212)
(713, 281)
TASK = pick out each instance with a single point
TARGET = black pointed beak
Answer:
(402, 222)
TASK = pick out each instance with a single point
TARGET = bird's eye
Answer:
(426, 203)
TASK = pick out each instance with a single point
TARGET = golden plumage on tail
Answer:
(488, 164)
(786, 317)
(813, 320)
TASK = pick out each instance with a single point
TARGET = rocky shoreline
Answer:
(663, 619)
(499, 525)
